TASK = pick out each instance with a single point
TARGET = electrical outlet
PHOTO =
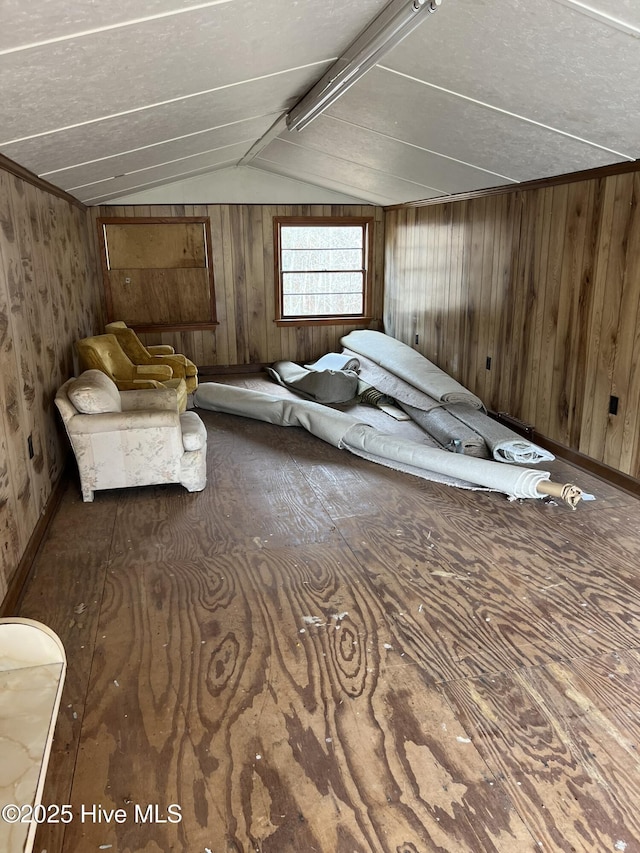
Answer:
(613, 405)
(488, 362)
(417, 339)
(30, 447)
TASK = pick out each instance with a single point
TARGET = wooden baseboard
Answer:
(616, 478)
(591, 466)
(230, 369)
(11, 602)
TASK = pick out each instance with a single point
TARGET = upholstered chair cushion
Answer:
(194, 433)
(94, 392)
(138, 353)
(103, 352)
(139, 439)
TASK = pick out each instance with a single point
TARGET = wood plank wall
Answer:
(49, 297)
(544, 282)
(242, 239)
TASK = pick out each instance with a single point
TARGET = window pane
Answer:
(306, 294)
(321, 236)
(322, 304)
(304, 282)
(322, 259)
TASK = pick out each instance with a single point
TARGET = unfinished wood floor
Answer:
(320, 654)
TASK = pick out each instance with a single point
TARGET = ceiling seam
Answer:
(378, 200)
(298, 181)
(157, 104)
(601, 17)
(418, 147)
(370, 168)
(164, 163)
(169, 180)
(108, 27)
(157, 144)
(507, 112)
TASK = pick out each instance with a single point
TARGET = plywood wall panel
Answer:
(49, 297)
(242, 240)
(546, 282)
(13, 469)
(27, 328)
(19, 380)
(620, 437)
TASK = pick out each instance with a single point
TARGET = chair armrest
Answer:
(160, 372)
(137, 384)
(179, 364)
(117, 421)
(160, 349)
(194, 432)
(158, 399)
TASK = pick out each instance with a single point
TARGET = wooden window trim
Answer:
(368, 223)
(209, 323)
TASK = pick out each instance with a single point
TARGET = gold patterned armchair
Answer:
(138, 353)
(103, 352)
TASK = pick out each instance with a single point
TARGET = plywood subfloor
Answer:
(320, 654)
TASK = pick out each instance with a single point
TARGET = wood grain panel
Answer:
(19, 380)
(48, 299)
(178, 245)
(547, 283)
(162, 297)
(540, 731)
(272, 639)
(242, 248)
(157, 272)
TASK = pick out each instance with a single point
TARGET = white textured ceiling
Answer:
(106, 99)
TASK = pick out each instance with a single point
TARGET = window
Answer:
(322, 269)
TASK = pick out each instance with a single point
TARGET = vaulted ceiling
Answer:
(104, 99)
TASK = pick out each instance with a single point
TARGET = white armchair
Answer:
(130, 438)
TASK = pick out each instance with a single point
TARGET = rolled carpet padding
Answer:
(498, 441)
(505, 444)
(448, 431)
(324, 422)
(335, 361)
(323, 386)
(412, 458)
(428, 413)
(345, 432)
(393, 386)
(409, 365)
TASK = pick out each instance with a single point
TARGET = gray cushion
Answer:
(323, 386)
